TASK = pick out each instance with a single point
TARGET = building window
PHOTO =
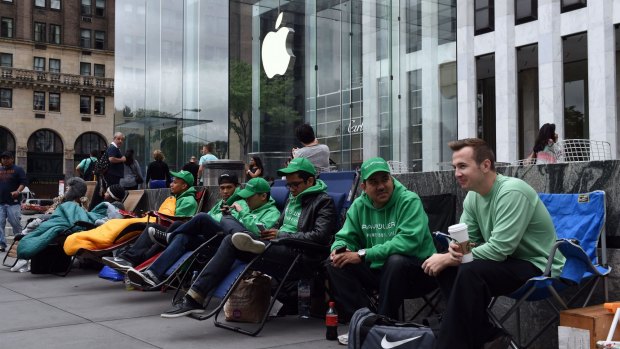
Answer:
(7, 0)
(39, 32)
(54, 65)
(99, 8)
(569, 5)
(6, 27)
(414, 25)
(39, 3)
(54, 102)
(446, 21)
(6, 60)
(55, 4)
(84, 104)
(526, 11)
(39, 64)
(415, 118)
(85, 38)
(38, 102)
(100, 40)
(100, 70)
(484, 16)
(87, 6)
(6, 98)
(100, 105)
(84, 69)
(54, 34)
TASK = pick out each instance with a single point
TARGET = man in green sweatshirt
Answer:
(512, 234)
(382, 245)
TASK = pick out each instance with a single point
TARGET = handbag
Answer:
(249, 301)
(368, 330)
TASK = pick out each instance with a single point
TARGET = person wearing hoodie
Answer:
(184, 194)
(382, 245)
(308, 215)
(260, 208)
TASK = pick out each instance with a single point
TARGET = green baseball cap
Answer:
(296, 165)
(370, 166)
(186, 176)
(255, 186)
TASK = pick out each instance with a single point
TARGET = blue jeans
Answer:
(13, 214)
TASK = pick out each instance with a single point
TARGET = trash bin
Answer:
(213, 170)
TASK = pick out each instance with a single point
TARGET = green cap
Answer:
(186, 176)
(370, 166)
(255, 186)
(296, 165)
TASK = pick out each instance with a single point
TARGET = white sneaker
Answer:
(244, 242)
(19, 264)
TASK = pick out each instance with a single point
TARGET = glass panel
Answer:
(54, 65)
(38, 102)
(54, 34)
(99, 105)
(85, 41)
(39, 63)
(54, 102)
(84, 104)
(84, 69)
(39, 3)
(6, 60)
(414, 25)
(446, 21)
(6, 98)
(86, 7)
(415, 118)
(99, 40)
(39, 32)
(100, 70)
(6, 27)
(99, 7)
(55, 4)
(576, 119)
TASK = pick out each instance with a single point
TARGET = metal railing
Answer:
(57, 79)
(575, 150)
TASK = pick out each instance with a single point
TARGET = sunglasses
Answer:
(294, 184)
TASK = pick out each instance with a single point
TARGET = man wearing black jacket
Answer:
(308, 215)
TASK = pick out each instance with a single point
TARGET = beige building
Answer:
(56, 84)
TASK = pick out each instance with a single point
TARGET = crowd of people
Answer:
(383, 250)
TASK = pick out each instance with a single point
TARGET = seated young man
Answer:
(512, 232)
(183, 193)
(309, 215)
(384, 241)
(261, 210)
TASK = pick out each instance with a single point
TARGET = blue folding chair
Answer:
(279, 195)
(279, 183)
(579, 221)
(341, 182)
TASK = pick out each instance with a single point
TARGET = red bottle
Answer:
(331, 323)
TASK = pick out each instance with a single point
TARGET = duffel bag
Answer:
(368, 330)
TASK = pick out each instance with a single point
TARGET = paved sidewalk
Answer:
(84, 311)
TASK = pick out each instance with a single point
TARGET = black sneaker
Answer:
(143, 279)
(159, 237)
(117, 263)
(184, 308)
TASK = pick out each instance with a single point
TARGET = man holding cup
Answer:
(381, 246)
(510, 234)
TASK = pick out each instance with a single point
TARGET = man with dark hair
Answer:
(207, 155)
(309, 215)
(512, 234)
(317, 153)
(382, 245)
(12, 183)
(260, 208)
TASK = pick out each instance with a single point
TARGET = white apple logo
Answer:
(276, 51)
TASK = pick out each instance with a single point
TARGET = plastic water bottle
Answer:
(331, 323)
(303, 299)
(128, 285)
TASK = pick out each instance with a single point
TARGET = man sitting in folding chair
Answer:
(183, 194)
(308, 215)
(382, 245)
(512, 233)
(261, 210)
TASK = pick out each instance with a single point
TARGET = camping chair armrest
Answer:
(85, 225)
(552, 253)
(305, 245)
(162, 217)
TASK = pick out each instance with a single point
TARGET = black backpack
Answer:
(89, 172)
(103, 164)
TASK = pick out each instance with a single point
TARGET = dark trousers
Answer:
(144, 248)
(465, 323)
(189, 236)
(274, 261)
(400, 277)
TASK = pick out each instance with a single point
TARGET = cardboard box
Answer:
(595, 319)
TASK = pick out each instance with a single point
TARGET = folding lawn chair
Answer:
(579, 221)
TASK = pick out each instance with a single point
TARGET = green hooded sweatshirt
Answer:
(292, 211)
(216, 212)
(267, 214)
(399, 227)
(186, 204)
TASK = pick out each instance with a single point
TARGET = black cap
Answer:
(228, 177)
(6, 154)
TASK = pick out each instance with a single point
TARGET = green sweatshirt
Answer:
(267, 214)
(511, 221)
(293, 207)
(186, 204)
(216, 212)
(399, 227)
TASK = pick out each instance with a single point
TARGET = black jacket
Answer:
(318, 221)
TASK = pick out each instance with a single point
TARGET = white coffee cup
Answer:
(459, 233)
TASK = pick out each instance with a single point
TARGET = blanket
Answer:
(63, 218)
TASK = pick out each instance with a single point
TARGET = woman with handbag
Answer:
(132, 177)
